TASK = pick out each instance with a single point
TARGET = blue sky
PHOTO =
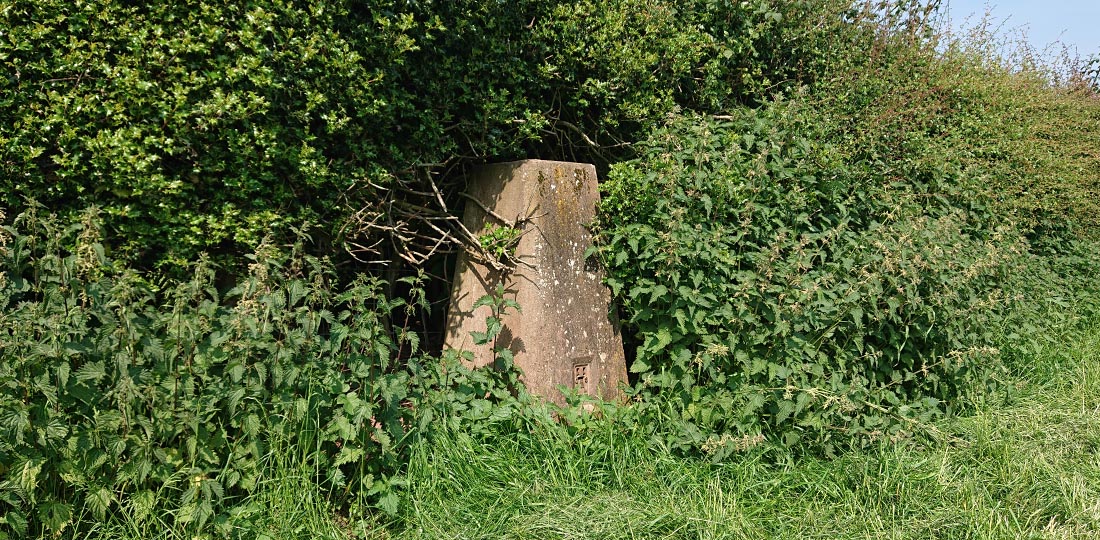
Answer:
(1073, 22)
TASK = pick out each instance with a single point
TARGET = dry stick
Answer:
(438, 195)
(578, 131)
(368, 249)
(495, 215)
(415, 246)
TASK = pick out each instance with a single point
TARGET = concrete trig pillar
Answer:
(564, 335)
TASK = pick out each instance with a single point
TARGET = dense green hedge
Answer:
(778, 287)
(204, 126)
(781, 290)
(859, 255)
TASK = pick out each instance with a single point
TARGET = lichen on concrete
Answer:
(565, 334)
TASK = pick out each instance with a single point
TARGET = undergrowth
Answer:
(860, 254)
(846, 253)
(778, 286)
(165, 402)
(1023, 470)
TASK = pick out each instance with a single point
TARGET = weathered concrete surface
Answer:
(564, 335)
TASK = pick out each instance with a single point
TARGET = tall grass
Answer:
(1027, 470)
(287, 504)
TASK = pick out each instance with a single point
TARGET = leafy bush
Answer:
(778, 289)
(866, 253)
(204, 126)
(112, 394)
(1018, 131)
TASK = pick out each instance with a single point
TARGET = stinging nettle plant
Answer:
(776, 288)
(119, 395)
(110, 391)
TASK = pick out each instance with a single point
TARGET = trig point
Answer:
(564, 335)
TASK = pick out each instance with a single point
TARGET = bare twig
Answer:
(486, 209)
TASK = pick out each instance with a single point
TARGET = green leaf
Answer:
(662, 339)
(389, 502)
(91, 372)
(493, 327)
(782, 327)
(234, 399)
(659, 292)
(480, 338)
(348, 454)
(17, 522)
(99, 501)
(785, 409)
(55, 516)
(486, 300)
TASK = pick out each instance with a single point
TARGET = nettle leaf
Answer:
(233, 399)
(296, 292)
(26, 475)
(857, 316)
(389, 502)
(383, 438)
(480, 338)
(640, 365)
(55, 516)
(251, 425)
(91, 372)
(17, 521)
(55, 429)
(493, 327)
(484, 301)
(99, 501)
(63, 371)
(681, 321)
(659, 341)
(505, 355)
(785, 408)
(342, 428)
(348, 454)
(236, 371)
(16, 423)
(782, 327)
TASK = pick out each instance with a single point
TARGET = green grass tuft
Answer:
(1027, 470)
